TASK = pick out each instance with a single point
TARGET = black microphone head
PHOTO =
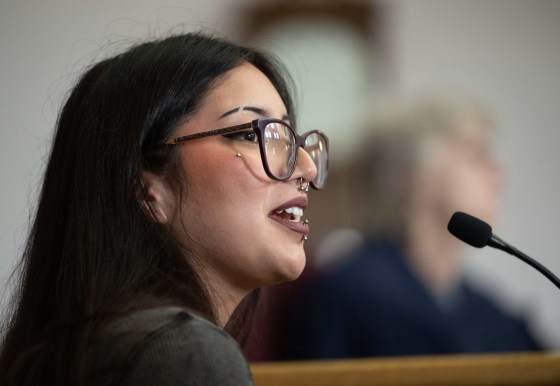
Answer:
(470, 229)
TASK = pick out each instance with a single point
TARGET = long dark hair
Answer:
(93, 251)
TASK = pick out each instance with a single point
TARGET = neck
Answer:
(433, 253)
(223, 297)
(224, 307)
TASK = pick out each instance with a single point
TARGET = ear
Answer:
(157, 198)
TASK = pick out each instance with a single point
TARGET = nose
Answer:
(305, 167)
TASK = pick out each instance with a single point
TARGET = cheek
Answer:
(220, 186)
(225, 199)
(233, 166)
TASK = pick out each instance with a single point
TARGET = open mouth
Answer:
(293, 214)
(290, 215)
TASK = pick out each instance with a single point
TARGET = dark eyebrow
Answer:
(229, 112)
(263, 112)
(257, 110)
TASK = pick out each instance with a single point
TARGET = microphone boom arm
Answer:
(477, 233)
(498, 243)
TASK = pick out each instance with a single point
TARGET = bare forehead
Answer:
(244, 85)
(244, 76)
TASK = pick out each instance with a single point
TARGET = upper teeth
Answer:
(296, 211)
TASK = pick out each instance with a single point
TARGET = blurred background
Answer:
(344, 56)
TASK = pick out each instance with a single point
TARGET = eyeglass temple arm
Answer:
(227, 130)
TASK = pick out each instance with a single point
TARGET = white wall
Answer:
(506, 52)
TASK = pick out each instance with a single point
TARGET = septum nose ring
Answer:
(303, 188)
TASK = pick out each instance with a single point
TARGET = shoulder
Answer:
(374, 278)
(173, 346)
(376, 264)
(502, 330)
(487, 309)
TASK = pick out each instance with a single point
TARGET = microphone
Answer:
(477, 233)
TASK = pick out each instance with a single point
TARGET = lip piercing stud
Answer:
(305, 238)
(238, 154)
(306, 221)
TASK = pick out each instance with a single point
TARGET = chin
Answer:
(289, 270)
(294, 268)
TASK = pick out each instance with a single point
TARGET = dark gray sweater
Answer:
(168, 346)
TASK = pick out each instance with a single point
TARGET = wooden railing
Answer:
(456, 370)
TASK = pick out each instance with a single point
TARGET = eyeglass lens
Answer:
(280, 149)
(279, 144)
(316, 147)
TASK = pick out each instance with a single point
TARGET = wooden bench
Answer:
(506, 369)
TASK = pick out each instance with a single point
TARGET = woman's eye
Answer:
(248, 136)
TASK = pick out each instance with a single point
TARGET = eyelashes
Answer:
(247, 136)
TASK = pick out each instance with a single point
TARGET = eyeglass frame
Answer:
(258, 126)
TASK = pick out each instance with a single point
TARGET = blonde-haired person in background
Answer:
(402, 292)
